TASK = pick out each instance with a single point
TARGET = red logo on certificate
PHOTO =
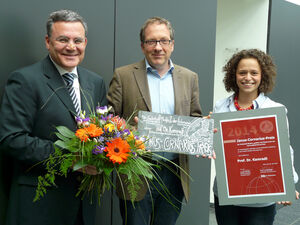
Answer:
(252, 157)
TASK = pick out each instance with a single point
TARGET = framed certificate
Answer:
(253, 163)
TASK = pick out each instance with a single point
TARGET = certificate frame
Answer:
(232, 191)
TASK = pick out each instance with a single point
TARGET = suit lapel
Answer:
(142, 82)
(85, 91)
(56, 83)
(177, 79)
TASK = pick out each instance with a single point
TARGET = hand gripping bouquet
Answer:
(104, 141)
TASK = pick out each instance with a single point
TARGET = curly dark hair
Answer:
(268, 70)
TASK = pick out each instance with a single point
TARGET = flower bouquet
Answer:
(105, 142)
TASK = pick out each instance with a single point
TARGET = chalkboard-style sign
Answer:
(179, 134)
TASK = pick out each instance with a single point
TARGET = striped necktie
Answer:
(69, 78)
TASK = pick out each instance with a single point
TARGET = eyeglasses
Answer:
(67, 41)
(153, 43)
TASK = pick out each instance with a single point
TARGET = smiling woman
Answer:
(250, 74)
(248, 77)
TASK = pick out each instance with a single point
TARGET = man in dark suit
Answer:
(155, 84)
(35, 101)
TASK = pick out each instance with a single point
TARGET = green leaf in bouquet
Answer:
(51, 178)
(136, 168)
(133, 185)
(58, 151)
(108, 170)
(66, 164)
(79, 164)
(141, 167)
(61, 137)
(124, 169)
(70, 145)
(86, 149)
(65, 131)
(43, 182)
(61, 144)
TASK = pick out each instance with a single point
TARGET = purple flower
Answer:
(135, 155)
(126, 132)
(103, 118)
(78, 120)
(86, 121)
(101, 110)
(101, 139)
(118, 134)
(98, 149)
(143, 138)
(82, 121)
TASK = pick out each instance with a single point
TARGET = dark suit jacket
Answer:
(35, 101)
(129, 91)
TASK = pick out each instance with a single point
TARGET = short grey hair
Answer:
(158, 20)
(64, 15)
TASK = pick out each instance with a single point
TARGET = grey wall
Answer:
(284, 47)
(113, 41)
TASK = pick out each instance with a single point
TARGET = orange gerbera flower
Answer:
(119, 122)
(117, 150)
(93, 130)
(82, 134)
